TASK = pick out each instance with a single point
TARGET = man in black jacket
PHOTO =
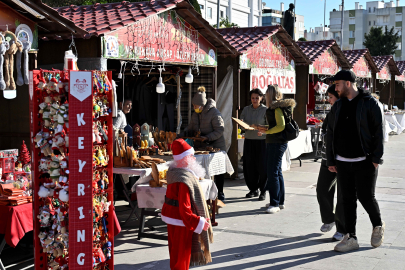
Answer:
(354, 150)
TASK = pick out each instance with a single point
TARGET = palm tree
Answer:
(225, 23)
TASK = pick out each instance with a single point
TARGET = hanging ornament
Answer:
(160, 87)
(189, 77)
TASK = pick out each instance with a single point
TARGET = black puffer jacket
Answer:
(287, 106)
(370, 126)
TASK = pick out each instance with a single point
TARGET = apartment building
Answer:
(359, 21)
(245, 13)
(318, 33)
(272, 16)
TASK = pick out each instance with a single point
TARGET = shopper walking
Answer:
(254, 148)
(326, 186)
(354, 150)
(276, 111)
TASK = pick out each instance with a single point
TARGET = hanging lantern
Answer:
(10, 94)
(189, 77)
(160, 87)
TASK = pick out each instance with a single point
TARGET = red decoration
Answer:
(24, 157)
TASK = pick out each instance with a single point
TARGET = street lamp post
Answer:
(295, 18)
(341, 25)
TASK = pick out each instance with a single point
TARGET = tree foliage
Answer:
(196, 5)
(302, 39)
(380, 42)
(225, 23)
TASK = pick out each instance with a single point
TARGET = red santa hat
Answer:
(181, 149)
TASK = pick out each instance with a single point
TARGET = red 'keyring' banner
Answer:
(384, 74)
(325, 64)
(81, 173)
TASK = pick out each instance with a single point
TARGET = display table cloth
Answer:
(401, 119)
(149, 197)
(15, 222)
(295, 148)
(214, 164)
(393, 120)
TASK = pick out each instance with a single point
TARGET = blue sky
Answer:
(313, 9)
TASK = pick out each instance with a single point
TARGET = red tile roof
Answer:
(103, 18)
(354, 55)
(401, 66)
(313, 49)
(245, 38)
(381, 61)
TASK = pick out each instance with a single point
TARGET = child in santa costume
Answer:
(185, 211)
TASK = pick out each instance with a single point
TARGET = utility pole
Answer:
(341, 26)
(324, 15)
(218, 12)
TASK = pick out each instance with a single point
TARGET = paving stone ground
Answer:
(247, 238)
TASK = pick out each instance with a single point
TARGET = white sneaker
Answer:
(338, 236)
(377, 237)
(281, 206)
(347, 244)
(327, 227)
(273, 210)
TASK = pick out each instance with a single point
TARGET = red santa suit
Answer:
(177, 213)
(181, 224)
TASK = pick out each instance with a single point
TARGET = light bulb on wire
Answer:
(160, 87)
(189, 77)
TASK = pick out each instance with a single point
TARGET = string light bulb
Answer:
(160, 87)
(189, 77)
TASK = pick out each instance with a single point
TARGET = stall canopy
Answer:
(270, 54)
(326, 56)
(362, 62)
(108, 19)
(49, 22)
(401, 68)
(386, 67)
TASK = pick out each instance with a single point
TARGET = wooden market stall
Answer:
(364, 68)
(268, 55)
(385, 78)
(138, 40)
(28, 22)
(327, 59)
(399, 99)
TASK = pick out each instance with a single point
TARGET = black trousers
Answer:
(325, 193)
(254, 170)
(219, 182)
(357, 180)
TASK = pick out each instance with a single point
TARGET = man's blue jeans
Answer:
(275, 180)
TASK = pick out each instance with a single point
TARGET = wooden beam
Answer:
(302, 79)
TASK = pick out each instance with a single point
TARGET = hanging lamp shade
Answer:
(189, 77)
(160, 87)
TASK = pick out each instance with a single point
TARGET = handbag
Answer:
(291, 130)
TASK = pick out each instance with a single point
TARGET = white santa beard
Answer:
(190, 163)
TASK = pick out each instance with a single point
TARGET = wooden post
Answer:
(302, 81)
(179, 105)
(374, 82)
(190, 92)
(392, 90)
(233, 150)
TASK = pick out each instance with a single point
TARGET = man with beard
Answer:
(185, 211)
(354, 150)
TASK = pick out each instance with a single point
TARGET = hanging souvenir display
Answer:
(57, 189)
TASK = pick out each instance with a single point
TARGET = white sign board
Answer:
(80, 84)
(262, 77)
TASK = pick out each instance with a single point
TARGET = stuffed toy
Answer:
(45, 192)
(9, 62)
(44, 217)
(43, 165)
(64, 194)
(62, 114)
(44, 241)
(26, 49)
(55, 169)
(42, 143)
(3, 49)
(20, 79)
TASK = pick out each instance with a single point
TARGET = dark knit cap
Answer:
(200, 98)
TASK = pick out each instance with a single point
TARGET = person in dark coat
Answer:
(326, 186)
(207, 120)
(288, 21)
